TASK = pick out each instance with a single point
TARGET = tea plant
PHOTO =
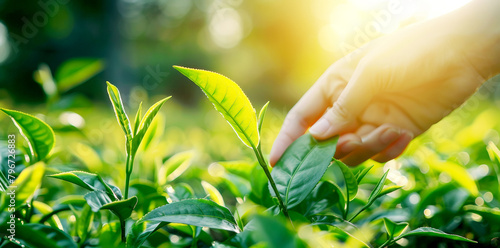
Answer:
(309, 199)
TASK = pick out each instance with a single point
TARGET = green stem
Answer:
(263, 164)
(128, 170)
(122, 226)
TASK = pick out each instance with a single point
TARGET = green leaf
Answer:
(494, 153)
(84, 222)
(196, 212)
(378, 188)
(121, 115)
(429, 231)
(229, 100)
(26, 184)
(99, 200)
(262, 114)
(146, 122)
(274, 233)
(137, 121)
(42, 236)
(174, 167)
(493, 215)
(350, 180)
(363, 173)
(4, 183)
(40, 136)
(388, 190)
(301, 167)
(180, 191)
(140, 232)
(76, 71)
(323, 197)
(394, 229)
(89, 181)
(213, 193)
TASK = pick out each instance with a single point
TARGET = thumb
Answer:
(342, 116)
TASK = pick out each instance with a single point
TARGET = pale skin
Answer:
(396, 87)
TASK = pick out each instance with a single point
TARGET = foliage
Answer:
(173, 199)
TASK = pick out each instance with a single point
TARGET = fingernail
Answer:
(349, 146)
(390, 135)
(320, 127)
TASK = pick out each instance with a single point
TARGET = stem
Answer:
(122, 226)
(127, 177)
(263, 164)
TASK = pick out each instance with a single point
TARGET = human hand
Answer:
(389, 91)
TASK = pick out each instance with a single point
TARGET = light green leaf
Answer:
(76, 71)
(4, 183)
(196, 212)
(137, 121)
(429, 231)
(174, 167)
(301, 167)
(378, 188)
(494, 154)
(493, 215)
(262, 114)
(42, 236)
(213, 193)
(26, 184)
(394, 229)
(121, 115)
(89, 181)
(363, 173)
(229, 100)
(40, 136)
(146, 122)
(350, 180)
(84, 222)
(388, 190)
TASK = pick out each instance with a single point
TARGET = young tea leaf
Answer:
(174, 167)
(350, 180)
(378, 188)
(262, 114)
(137, 120)
(41, 236)
(140, 232)
(121, 115)
(433, 232)
(389, 190)
(301, 167)
(213, 193)
(394, 229)
(228, 98)
(196, 212)
(146, 122)
(76, 71)
(363, 173)
(40, 136)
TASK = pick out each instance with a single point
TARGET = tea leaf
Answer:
(140, 232)
(89, 181)
(99, 200)
(429, 231)
(213, 193)
(350, 180)
(378, 188)
(488, 213)
(394, 229)
(76, 71)
(301, 167)
(137, 120)
(262, 114)
(41, 236)
(363, 173)
(146, 122)
(27, 183)
(38, 134)
(228, 98)
(121, 115)
(196, 212)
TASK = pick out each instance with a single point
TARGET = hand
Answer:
(389, 91)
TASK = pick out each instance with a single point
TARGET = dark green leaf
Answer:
(40, 137)
(99, 200)
(323, 197)
(394, 229)
(274, 233)
(76, 71)
(180, 192)
(42, 236)
(350, 180)
(140, 232)
(429, 231)
(197, 212)
(229, 100)
(363, 173)
(301, 167)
